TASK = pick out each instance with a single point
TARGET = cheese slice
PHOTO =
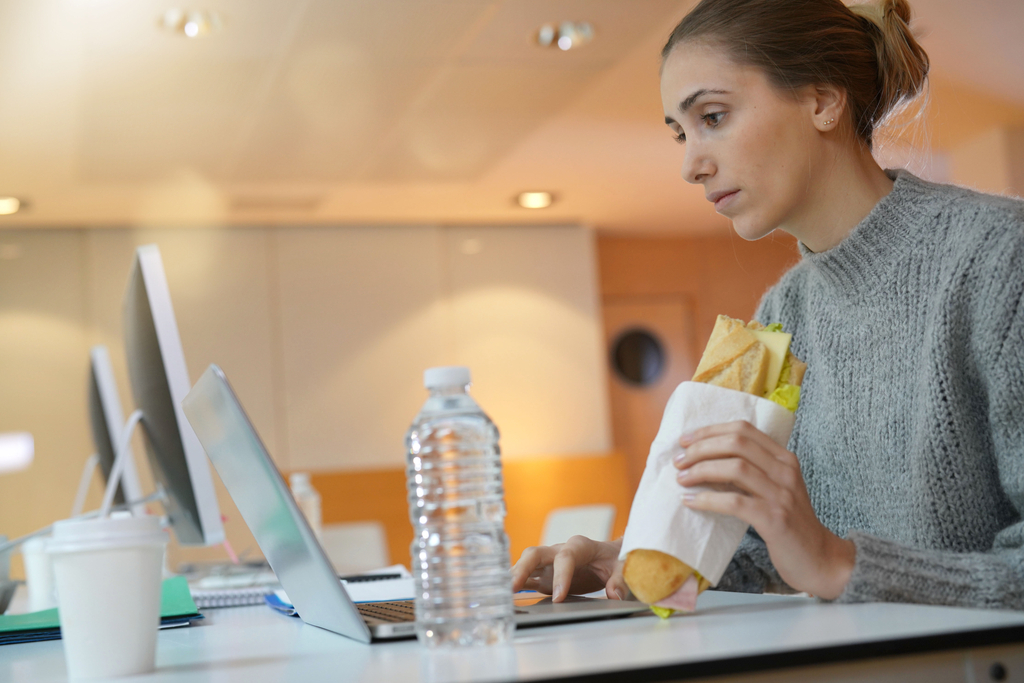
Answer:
(777, 344)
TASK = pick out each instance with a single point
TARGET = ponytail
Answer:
(902, 62)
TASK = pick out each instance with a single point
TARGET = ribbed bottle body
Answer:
(460, 552)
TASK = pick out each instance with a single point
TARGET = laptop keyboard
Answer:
(393, 612)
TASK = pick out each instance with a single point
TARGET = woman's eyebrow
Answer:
(697, 94)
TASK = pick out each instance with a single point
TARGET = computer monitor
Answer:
(107, 420)
(159, 381)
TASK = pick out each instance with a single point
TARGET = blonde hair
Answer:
(868, 50)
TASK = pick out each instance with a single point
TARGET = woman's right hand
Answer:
(577, 566)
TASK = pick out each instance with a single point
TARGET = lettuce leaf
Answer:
(787, 396)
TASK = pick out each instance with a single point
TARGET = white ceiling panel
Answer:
(393, 33)
(472, 118)
(112, 30)
(145, 116)
(153, 102)
(325, 121)
(333, 111)
(508, 38)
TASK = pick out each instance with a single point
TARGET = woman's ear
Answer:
(829, 107)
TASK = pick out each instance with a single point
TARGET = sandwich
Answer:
(754, 359)
(746, 357)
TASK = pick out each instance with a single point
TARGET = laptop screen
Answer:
(267, 506)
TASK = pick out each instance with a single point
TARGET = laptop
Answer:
(292, 549)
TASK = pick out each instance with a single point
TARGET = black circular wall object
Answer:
(638, 357)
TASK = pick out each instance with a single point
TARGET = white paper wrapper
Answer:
(659, 520)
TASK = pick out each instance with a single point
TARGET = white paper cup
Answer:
(108, 574)
(42, 592)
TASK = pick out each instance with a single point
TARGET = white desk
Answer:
(753, 637)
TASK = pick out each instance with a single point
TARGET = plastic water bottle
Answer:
(308, 500)
(460, 553)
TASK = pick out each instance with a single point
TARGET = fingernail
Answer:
(686, 438)
(689, 497)
(679, 458)
(556, 592)
(614, 594)
(683, 474)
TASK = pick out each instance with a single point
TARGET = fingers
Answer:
(580, 565)
(738, 472)
(741, 429)
(531, 565)
(564, 567)
(539, 581)
(745, 508)
(730, 446)
(785, 514)
(616, 588)
(742, 440)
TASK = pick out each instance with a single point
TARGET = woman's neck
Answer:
(849, 185)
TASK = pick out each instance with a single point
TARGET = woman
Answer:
(905, 475)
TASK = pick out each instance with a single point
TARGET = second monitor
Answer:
(159, 381)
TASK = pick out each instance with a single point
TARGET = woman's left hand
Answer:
(763, 487)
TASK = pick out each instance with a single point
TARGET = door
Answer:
(650, 349)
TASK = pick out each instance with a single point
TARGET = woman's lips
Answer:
(724, 200)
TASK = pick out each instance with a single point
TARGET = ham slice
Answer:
(684, 599)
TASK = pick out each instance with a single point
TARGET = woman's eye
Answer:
(680, 138)
(713, 119)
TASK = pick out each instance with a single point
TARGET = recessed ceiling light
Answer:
(191, 23)
(566, 35)
(535, 200)
(9, 205)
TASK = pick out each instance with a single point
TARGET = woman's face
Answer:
(753, 148)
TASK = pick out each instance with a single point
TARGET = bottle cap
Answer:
(446, 376)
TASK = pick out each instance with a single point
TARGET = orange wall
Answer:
(724, 275)
(533, 487)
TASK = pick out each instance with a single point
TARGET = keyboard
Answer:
(393, 612)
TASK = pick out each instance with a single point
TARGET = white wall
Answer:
(324, 333)
(43, 357)
(525, 317)
(359, 323)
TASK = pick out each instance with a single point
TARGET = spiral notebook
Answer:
(210, 598)
(382, 579)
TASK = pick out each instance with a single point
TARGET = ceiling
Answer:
(390, 111)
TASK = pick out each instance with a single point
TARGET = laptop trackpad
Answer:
(537, 608)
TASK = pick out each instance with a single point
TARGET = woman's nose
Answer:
(697, 167)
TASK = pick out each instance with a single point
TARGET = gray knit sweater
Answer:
(910, 432)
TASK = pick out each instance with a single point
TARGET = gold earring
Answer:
(829, 122)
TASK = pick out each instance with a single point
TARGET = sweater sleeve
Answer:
(751, 569)
(887, 571)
